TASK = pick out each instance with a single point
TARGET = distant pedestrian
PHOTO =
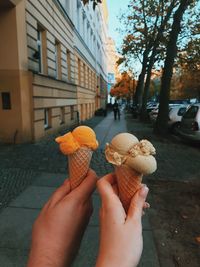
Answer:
(116, 110)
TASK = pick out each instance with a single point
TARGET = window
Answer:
(39, 47)
(181, 111)
(191, 113)
(6, 101)
(47, 118)
(68, 65)
(78, 14)
(62, 115)
(72, 112)
(84, 74)
(88, 78)
(58, 59)
(79, 71)
(84, 23)
(41, 54)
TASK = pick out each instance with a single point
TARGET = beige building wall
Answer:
(86, 82)
(112, 58)
(15, 80)
(46, 75)
(54, 89)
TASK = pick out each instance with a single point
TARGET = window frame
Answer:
(47, 118)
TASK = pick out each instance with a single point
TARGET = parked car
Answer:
(151, 106)
(153, 115)
(175, 115)
(190, 123)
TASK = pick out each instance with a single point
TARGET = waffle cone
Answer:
(78, 164)
(129, 181)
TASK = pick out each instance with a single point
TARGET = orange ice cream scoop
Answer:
(82, 136)
(85, 136)
(68, 143)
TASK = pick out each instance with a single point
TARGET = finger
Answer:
(105, 186)
(137, 203)
(86, 188)
(115, 189)
(146, 205)
(60, 193)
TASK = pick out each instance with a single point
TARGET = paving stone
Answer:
(13, 257)
(94, 221)
(149, 255)
(89, 248)
(13, 182)
(33, 197)
(15, 227)
(50, 179)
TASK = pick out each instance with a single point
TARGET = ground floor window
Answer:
(6, 101)
(62, 115)
(47, 118)
(72, 112)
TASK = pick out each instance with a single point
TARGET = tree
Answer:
(146, 24)
(156, 51)
(124, 87)
(162, 119)
(187, 83)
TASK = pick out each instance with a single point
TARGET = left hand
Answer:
(58, 230)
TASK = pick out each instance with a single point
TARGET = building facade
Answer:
(53, 66)
(112, 67)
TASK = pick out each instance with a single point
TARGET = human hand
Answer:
(59, 228)
(121, 239)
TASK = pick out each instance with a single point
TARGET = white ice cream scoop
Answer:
(125, 149)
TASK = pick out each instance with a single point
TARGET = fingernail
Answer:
(144, 191)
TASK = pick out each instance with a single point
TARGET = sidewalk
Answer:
(16, 219)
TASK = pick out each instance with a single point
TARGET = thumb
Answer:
(137, 203)
(86, 188)
(105, 186)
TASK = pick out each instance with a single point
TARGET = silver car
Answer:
(190, 123)
(175, 115)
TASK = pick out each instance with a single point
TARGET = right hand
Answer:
(59, 228)
(121, 239)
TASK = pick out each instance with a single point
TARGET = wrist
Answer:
(106, 261)
(45, 259)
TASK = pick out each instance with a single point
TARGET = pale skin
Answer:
(58, 230)
(121, 239)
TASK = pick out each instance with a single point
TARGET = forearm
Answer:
(109, 261)
(45, 260)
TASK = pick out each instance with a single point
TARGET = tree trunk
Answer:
(143, 113)
(140, 84)
(161, 126)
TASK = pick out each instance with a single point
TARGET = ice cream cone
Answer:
(78, 145)
(132, 159)
(78, 163)
(128, 181)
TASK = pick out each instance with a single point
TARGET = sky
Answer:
(114, 7)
